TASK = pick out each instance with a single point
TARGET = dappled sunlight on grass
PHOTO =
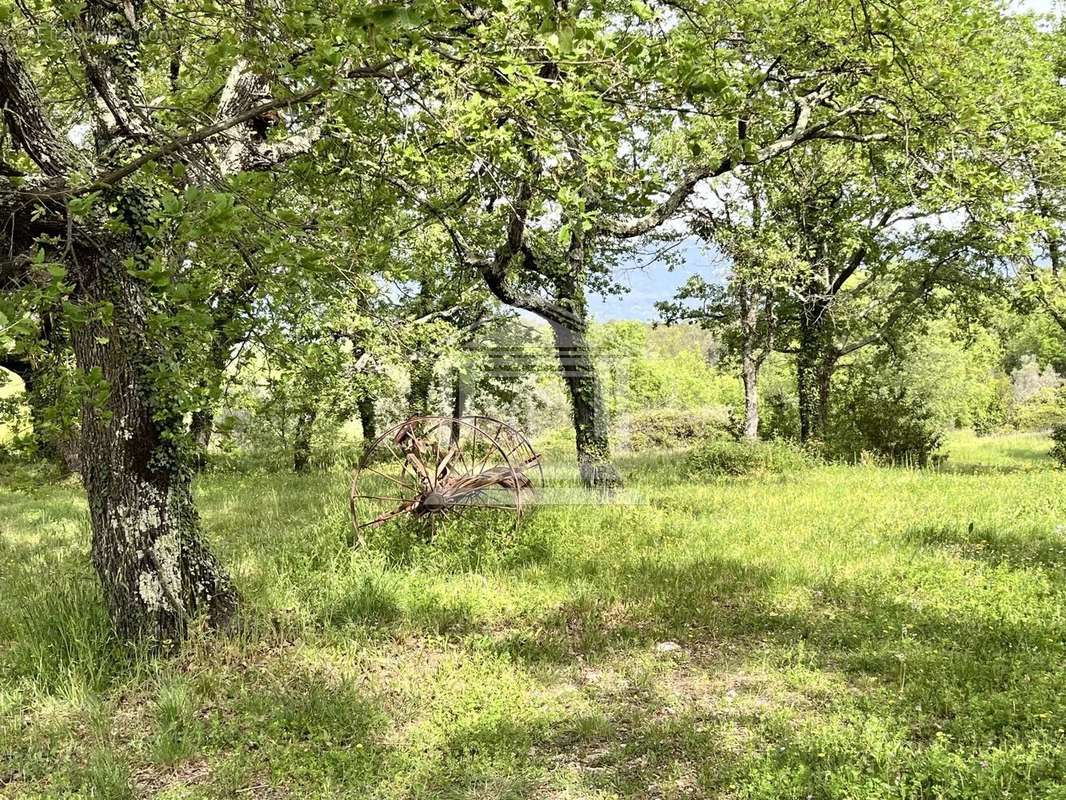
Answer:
(844, 631)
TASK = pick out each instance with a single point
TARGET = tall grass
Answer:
(831, 631)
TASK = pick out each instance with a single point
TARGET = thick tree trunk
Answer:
(815, 364)
(589, 408)
(301, 447)
(147, 549)
(368, 418)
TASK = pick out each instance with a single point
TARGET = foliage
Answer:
(723, 457)
(1058, 450)
(887, 419)
(1029, 380)
(1044, 409)
(671, 428)
(955, 372)
(12, 412)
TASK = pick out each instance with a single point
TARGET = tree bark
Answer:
(458, 406)
(749, 368)
(301, 449)
(824, 375)
(589, 408)
(806, 392)
(147, 549)
(367, 418)
(750, 363)
(815, 364)
(809, 384)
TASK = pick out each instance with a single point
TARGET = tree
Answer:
(95, 199)
(744, 309)
(570, 133)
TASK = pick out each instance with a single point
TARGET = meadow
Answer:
(840, 632)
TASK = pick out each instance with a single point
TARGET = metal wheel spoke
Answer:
(378, 497)
(390, 478)
(455, 471)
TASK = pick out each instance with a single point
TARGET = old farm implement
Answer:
(429, 469)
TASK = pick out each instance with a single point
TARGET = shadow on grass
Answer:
(638, 747)
(968, 469)
(1039, 548)
(985, 672)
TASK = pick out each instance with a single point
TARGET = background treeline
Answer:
(666, 387)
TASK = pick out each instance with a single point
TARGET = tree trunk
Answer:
(825, 383)
(749, 368)
(806, 394)
(201, 426)
(815, 364)
(809, 374)
(301, 449)
(589, 408)
(418, 396)
(368, 419)
(458, 406)
(147, 549)
(749, 362)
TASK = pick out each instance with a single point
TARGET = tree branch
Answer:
(24, 115)
(801, 130)
(202, 134)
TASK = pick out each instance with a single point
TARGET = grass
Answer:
(842, 631)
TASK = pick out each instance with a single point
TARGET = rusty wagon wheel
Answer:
(517, 447)
(428, 469)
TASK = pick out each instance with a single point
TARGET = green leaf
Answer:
(566, 40)
(80, 206)
(641, 10)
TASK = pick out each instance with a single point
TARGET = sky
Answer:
(648, 283)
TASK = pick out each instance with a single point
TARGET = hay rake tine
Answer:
(475, 469)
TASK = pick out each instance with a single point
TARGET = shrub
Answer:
(671, 428)
(725, 457)
(1058, 451)
(1042, 410)
(890, 421)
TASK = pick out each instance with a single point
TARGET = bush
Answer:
(672, 428)
(890, 421)
(1042, 410)
(724, 457)
(1058, 451)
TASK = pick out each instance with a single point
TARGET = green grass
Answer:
(842, 631)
